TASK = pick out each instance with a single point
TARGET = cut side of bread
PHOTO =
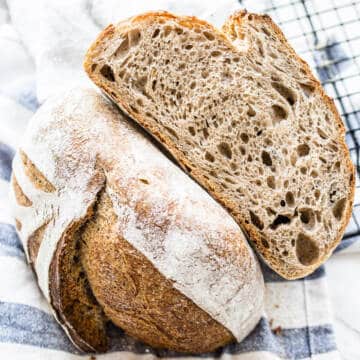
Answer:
(243, 115)
(117, 233)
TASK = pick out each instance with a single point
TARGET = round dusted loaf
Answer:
(116, 232)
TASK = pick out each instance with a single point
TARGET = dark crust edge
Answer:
(54, 286)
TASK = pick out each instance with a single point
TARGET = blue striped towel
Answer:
(44, 43)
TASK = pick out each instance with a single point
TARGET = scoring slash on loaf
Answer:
(244, 116)
(116, 232)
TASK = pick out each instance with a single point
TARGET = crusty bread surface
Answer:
(244, 116)
(116, 232)
(157, 313)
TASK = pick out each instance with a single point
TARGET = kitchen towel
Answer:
(43, 44)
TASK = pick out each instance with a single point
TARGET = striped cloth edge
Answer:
(296, 324)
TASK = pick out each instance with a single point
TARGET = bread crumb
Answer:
(209, 148)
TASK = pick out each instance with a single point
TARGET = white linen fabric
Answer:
(43, 44)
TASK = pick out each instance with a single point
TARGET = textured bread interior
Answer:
(139, 299)
(246, 119)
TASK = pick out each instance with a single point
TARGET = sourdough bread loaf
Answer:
(244, 116)
(116, 232)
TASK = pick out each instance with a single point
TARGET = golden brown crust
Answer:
(139, 299)
(41, 183)
(34, 243)
(277, 264)
(35, 175)
(190, 22)
(20, 197)
(18, 225)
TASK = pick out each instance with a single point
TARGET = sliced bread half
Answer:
(244, 116)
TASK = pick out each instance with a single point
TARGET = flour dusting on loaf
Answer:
(82, 145)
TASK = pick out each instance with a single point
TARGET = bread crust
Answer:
(124, 193)
(286, 271)
(140, 300)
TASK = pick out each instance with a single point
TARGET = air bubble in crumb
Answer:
(209, 157)
(303, 149)
(107, 72)
(225, 150)
(289, 197)
(266, 158)
(271, 182)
